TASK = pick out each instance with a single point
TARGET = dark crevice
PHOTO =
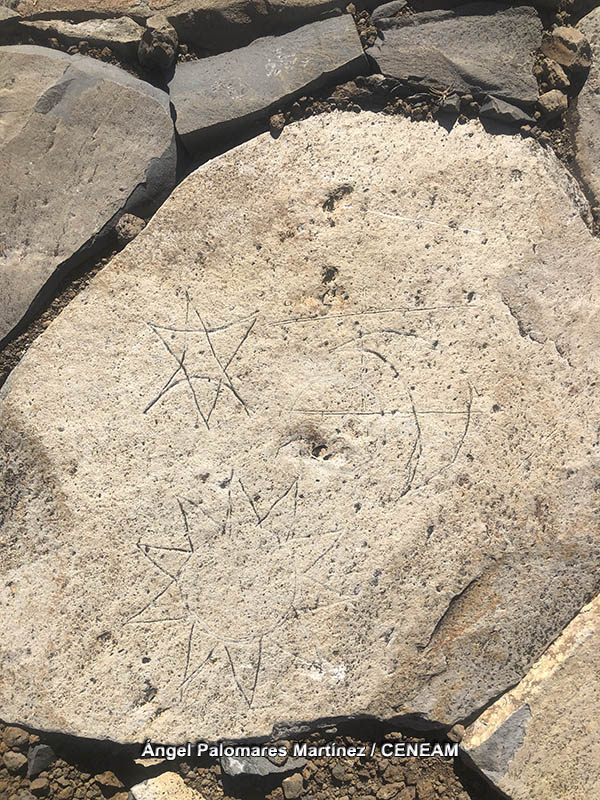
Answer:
(95, 756)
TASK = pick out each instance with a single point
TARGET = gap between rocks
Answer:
(100, 758)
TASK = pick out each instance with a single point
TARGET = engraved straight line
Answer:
(394, 412)
(373, 311)
(423, 221)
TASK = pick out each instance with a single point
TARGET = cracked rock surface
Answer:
(343, 456)
(215, 97)
(481, 47)
(587, 138)
(80, 143)
(541, 738)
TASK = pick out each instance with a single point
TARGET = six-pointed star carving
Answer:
(202, 355)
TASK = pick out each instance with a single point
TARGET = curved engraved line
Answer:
(215, 329)
(447, 466)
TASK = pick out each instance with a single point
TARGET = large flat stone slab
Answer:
(587, 113)
(214, 25)
(310, 454)
(481, 47)
(542, 739)
(217, 96)
(80, 143)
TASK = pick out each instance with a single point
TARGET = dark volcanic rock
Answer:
(505, 112)
(39, 758)
(587, 119)
(258, 765)
(481, 47)
(84, 142)
(217, 96)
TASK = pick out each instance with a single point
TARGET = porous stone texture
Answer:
(217, 96)
(551, 73)
(214, 25)
(345, 433)
(83, 142)
(16, 738)
(481, 47)
(128, 227)
(542, 739)
(122, 35)
(587, 115)
(168, 786)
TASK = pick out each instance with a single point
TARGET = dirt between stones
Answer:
(94, 771)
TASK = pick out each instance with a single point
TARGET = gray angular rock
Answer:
(450, 103)
(587, 114)
(8, 15)
(218, 96)
(502, 111)
(214, 26)
(121, 35)
(158, 47)
(258, 765)
(483, 48)
(84, 142)
(540, 739)
(310, 444)
(39, 758)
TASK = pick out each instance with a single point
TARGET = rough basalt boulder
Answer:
(485, 48)
(219, 96)
(81, 143)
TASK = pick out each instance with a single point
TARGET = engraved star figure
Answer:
(264, 577)
(202, 355)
